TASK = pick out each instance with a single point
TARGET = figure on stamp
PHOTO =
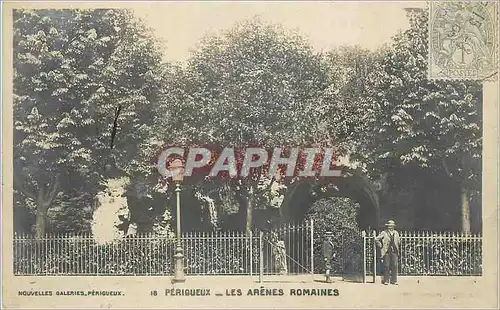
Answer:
(328, 255)
(462, 39)
(388, 241)
(447, 33)
(476, 37)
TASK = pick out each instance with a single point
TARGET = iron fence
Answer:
(79, 254)
(205, 253)
(288, 249)
(219, 252)
(430, 253)
(143, 254)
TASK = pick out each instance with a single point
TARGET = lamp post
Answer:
(177, 169)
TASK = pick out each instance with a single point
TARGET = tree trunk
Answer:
(284, 208)
(465, 210)
(41, 221)
(245, 200)
(44, 199)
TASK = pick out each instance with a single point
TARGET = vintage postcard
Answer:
(168, 154)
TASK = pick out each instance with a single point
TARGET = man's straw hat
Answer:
(390, 223)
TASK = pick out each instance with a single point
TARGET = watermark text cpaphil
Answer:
(243, 163)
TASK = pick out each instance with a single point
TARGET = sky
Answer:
(325, 24)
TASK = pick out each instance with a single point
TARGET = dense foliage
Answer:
(336, 215)
(73, 70)
(78, 72)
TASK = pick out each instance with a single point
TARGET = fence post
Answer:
(363, 234)
(374, 245)
(312, 248)
(98, 258)
(250, 236)
(261, 257)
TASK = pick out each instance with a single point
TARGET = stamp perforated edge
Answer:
(492, 77)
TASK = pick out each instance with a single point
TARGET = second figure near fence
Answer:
(328, 255)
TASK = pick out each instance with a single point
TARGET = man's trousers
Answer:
(390, 267)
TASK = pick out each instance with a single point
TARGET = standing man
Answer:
(388, 241)
(328, 255)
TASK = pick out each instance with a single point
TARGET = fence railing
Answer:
(290, 248)
(79, 254)
(287, 248)
(142, 254)
(215, 253)
(431, 253)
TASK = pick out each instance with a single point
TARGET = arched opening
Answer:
(352, 184)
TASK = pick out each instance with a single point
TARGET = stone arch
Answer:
(352, 184)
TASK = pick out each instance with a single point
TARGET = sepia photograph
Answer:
(172, 154)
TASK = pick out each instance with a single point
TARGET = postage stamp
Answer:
(237, 154)
(463, 40)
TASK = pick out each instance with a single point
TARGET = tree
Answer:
(253, 85)
(420, 124)
(343, 107)
(76, 74)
